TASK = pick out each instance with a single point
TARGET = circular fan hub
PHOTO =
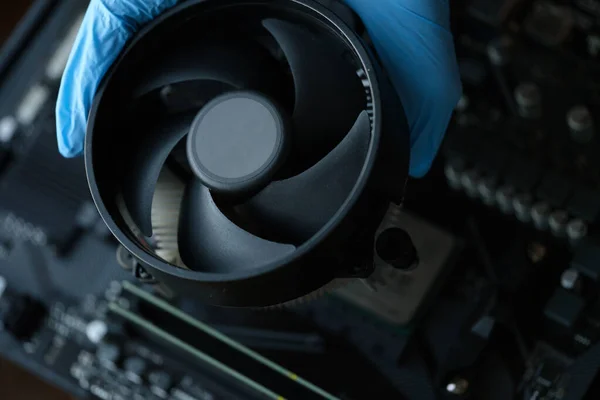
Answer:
(237, 142)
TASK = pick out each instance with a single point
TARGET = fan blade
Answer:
(209, 242)
(329, 94)
(144, 167)
(298, 207)
(242, 65)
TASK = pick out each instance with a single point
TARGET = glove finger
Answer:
(105, 29)
(417, 50)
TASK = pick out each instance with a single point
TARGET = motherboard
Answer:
(503, 304)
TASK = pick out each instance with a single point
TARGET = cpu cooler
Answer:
(246, 152)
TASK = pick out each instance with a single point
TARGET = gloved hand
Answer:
(412, 38)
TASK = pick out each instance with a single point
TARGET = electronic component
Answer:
(499, 50)
(161, 381)
(585, 204)
(135, 367)
(522, 204)
(529, 99)
(564, 308)
(453, 172)
(23, 317)
(546, 376)
(569, 279)
(459, 325)
(576, 230)
(557, 222)
(555, 189)
(470, 182)
(397, 294)
(108, 353)
(487, 190)
(494, 12)
(96, 331)
(8, 129)
(241, 368)
(504, 198)
(523, 174)
(549, 24)
(540, 213)
(32, 104)
(587, 259)
(239, 215)
(581, 124)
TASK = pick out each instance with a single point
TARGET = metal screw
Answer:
(504, 198)
(540, 214)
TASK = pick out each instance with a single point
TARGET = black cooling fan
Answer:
(245, 152)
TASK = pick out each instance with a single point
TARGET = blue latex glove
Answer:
(412, 38)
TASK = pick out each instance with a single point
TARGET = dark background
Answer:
(10, 13)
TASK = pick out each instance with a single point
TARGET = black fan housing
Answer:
(283, 141)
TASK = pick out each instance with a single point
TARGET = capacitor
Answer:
(95, 331)
(8, 128)
(108, 353)
(87, 216)
(454, 171)
(569, 279)
(522, 204)
(463, 103)
(504, 198)
(161, 380)
(499, 50)
(581, 124)
(470, 180)
(529, 99)
(487, 191)
(135, 366)
(576, 230)
(557, 222)
(540, 212)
